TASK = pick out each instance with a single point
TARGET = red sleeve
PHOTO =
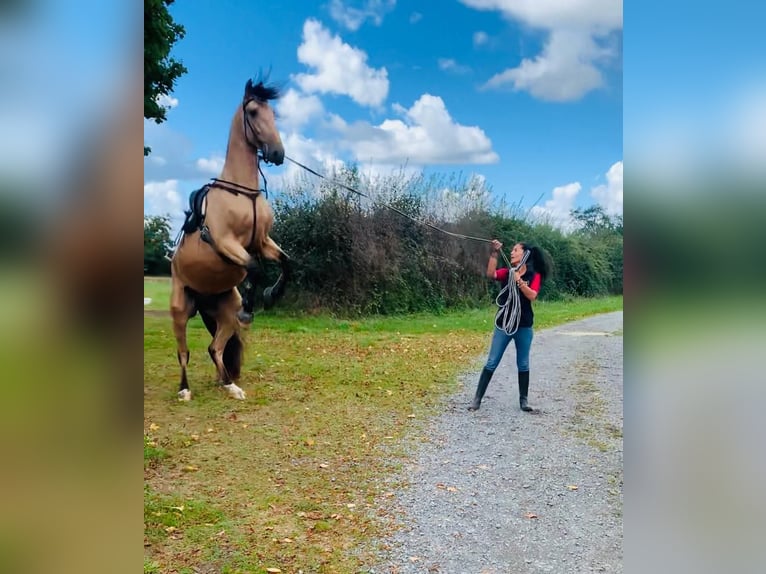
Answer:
(501, 274)
(535, 284)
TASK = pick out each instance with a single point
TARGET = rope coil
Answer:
(508, 315)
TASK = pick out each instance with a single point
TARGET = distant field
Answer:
(158, 289)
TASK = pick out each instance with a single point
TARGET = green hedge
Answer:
(354, 256)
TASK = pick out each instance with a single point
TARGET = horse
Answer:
(225, 233)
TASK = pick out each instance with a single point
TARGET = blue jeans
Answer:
(522, 338)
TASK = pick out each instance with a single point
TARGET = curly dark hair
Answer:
(539, 258)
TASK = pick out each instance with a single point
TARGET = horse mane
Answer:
(262, 91)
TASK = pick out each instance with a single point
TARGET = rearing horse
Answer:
(229, 226)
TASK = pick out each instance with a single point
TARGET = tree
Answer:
(594, 220)
(160, 70)
(157, 244)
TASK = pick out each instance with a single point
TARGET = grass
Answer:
(158, 290)
(588, 421)
(289, 478)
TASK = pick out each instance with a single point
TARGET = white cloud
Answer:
(480, 39)
(210, 165)
(340, 68)
(609, 195)
(352, 17)
(589, 14)
(426, 135)
(318, 156)
(563, 72)
(556, 210)
(296, 109)
(166, 101)
(162, 197)
(415, 17)
(579, 40)
(450, 65)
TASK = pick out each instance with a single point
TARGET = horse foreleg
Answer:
(272, 251)
(231, 249)
(245, 314)
(181, 308)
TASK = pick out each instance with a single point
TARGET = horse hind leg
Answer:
(274, 252)
(181, 309)
(226, 349)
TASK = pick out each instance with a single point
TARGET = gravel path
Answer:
(501, 491)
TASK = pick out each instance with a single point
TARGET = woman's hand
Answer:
(496, 246)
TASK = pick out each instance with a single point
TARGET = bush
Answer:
(352, 255)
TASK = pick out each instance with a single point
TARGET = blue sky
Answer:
(527, 96)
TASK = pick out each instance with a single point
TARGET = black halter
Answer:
(246, 124)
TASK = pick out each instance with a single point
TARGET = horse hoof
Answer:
(244, 317)
(184, 395)
(235, 392)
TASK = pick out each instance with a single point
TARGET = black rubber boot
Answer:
(481, 388)
(523, 390)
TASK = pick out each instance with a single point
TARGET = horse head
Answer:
(258, 121)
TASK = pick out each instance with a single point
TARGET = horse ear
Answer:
(248, 87)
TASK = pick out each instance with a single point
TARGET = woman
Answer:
(530, 267)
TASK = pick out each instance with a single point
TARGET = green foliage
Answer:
(157, 244)
(160, 70)
(353, 256)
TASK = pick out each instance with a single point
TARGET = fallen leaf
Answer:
(195, 437)
(572, 486)
(451, 489)
(245, 425)
(323, 465)
(178, 508)
(170, 529)
(309, 442)
(154, 427)
(287, 540)
(189, 468)
(273, 570)
(530, 515)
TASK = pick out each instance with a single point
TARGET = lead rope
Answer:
(509, 313)
(392, 208)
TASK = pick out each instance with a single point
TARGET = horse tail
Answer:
(234, 350)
